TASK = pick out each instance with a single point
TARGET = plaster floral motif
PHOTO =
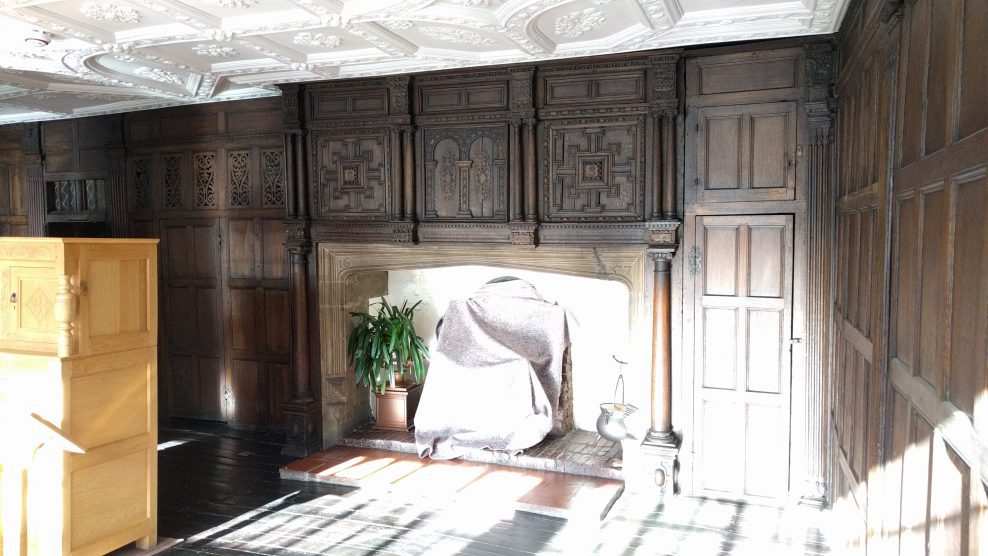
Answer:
(479, 3)
(158, 74)
(398, 25)
(574, 24)
(318, 40)
(214, 51)
(458, 36)
(109, 12)
(233, 4)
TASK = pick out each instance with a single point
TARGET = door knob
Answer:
(13, 297)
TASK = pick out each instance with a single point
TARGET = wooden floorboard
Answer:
(220, 491)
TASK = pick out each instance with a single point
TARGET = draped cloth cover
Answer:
(495, 375)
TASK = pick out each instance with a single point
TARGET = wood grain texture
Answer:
(926, 437)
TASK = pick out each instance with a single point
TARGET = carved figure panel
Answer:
(352, 173)
(593, 169)
(465, 172)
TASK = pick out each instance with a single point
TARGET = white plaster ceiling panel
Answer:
(120, 55)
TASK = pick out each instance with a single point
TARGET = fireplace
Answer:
(352, 274)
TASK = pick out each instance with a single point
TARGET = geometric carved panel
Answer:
(351, 173)
(466, 172)
(594, 169)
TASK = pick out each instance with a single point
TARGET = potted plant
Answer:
(384, 347)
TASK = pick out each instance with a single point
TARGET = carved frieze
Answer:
(593, 169)
(465, 172)
(351, 175)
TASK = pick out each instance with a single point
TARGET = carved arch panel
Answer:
(465, 173)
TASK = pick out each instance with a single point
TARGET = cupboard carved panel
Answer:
(593, 169)
(465, 171)
(351, 174)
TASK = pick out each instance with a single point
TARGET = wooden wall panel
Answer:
(926, 184)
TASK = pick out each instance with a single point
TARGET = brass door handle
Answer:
(13, 297)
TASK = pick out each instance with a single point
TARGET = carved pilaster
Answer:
(821, 198)
(669, 165)
(302, 412)
(408, 172)
(530, 157)
(515, 177)
(660, 448)
(31, 148)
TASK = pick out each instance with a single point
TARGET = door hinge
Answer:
(219, 239)
(694, 261)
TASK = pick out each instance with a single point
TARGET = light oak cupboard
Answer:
(78, 395)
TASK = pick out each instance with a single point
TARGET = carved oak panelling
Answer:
(273, 178)
(365, 103)
(142, 182)
(593, 169)
(173, 181)
(352, 176)
(487, 96)
(205, 180)
(465, 172)
(238, 174)
(579, 89)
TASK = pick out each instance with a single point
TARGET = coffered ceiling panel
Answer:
(61, 59)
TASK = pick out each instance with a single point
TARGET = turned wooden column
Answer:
(660, 430)
(302, 410)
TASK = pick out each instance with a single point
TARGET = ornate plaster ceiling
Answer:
(136, 54)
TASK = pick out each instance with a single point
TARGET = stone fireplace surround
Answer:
(350, 274)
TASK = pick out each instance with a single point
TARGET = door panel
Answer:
(744, 153)
(193, 354)
(743, 301)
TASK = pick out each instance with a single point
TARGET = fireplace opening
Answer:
(598, 320)
(602, 289)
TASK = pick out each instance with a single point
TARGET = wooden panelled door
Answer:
(192, 351)
(742, 267)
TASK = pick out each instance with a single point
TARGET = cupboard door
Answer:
(192, 356)
(742, 363)
(745, 153)
(28, 307)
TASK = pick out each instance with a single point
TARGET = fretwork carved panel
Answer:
(205, 180)
(352, 175)
(238, 172)
(273, 178)
(593, 169)
(465, 172)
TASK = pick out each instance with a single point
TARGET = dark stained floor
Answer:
(220, 491)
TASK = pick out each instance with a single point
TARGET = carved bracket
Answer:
(663, 233)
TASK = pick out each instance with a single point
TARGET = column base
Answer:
(302, 418)
(660, 459)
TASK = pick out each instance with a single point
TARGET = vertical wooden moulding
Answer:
(408, 180)
(514, 158)
(669, 166)
(530, 161)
